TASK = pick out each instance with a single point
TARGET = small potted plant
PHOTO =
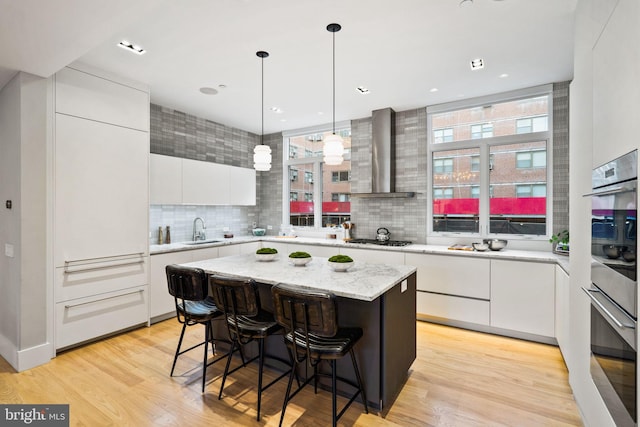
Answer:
(299, 258)
(266, 254)
(340, 262)
(560, 242)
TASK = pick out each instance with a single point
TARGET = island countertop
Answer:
(363, 281)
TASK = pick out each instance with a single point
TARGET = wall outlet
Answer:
(8, 250)
(225, 229)
(269, 227)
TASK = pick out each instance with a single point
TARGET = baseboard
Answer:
(34, 356)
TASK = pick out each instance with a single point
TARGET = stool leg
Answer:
(286, 395)
(334, 403)
(260, 368)
(207, 335)
(226, 368)
(355, 368)
(175, 358)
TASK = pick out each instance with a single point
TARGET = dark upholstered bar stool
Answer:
(247, 322)
(313, 335)
(194, 306)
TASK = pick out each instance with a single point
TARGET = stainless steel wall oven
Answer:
(614, 287)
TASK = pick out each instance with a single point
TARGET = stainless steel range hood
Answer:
(383, 157)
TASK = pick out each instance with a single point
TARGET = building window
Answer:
(340, 176)
(442, 135)
(484, 130)
(340, 197)
(318, 185)
(531, 159)
(293, 196)
(494, 165)
(532, 124)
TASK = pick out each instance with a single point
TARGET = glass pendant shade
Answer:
(333, 150)
(262, 158)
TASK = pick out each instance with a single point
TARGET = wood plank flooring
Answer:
(460, 378)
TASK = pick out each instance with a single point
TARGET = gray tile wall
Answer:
(560, 156)
(177, 134)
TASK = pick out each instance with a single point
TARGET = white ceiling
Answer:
(399, 50)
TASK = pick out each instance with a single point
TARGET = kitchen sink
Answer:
(201, 242)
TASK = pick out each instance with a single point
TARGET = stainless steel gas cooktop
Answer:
(380, 243)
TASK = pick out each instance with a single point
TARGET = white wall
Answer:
(24, 282)
(601, 128)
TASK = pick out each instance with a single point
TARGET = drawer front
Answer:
(86, 280)
(88, 318)
(453, 308)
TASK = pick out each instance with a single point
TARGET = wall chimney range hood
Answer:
(383, 157)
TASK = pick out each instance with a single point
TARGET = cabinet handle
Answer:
(67, 306)
(88, 264)
(592, 295)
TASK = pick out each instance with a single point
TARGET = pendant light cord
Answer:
(262, 103)
(334, 83)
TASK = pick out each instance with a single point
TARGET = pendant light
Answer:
(262, 153)
(333, 144)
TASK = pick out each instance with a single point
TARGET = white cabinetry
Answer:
(165, 180)
(523, 296)
(562, 310)
(101, 206)
(160, 301)
(177, 181)
(452, 287)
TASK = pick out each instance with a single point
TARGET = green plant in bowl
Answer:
(341, 258)
(266, 251)
(299, 254)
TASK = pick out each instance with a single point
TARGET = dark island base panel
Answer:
(384, 353)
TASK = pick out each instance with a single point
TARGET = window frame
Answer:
(484, 144)
(340, 129)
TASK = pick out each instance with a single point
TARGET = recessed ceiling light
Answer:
(208, 91)
(503, 75)
(222, 86)
(320, 113)
(433, 89)
(363, 90)
(131, 47)
(465, 3)
(477, 64)
(276, 110)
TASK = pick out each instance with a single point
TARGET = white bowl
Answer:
(265, 257)
(299, 262)
(340, 266)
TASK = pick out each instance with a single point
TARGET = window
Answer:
(443, 135)
(323, 193)
(340, 176)
(484, 130)
(532, 124)
(293, 196)
(340, 197)
(442, 165)
(492, 178)
(531, 159)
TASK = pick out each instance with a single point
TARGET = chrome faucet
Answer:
(199, 235)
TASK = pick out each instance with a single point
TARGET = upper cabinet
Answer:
(176, 181)
(81, 94)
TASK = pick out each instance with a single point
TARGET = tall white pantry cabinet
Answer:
(101, 205)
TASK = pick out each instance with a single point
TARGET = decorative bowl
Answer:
(495, 244)
(613, 251)
(480, 246)
(258, 231)
(299, 262)
(629, 255)
(266, 257)
(340, 266)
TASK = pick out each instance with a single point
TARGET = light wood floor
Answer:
(460, 378)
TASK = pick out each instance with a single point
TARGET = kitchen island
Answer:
(379, 298)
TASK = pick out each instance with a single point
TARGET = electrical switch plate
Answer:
(269, 227)
(8, 250)
(404, 285)
(225, 229)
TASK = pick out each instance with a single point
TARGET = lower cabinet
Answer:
(523, 296)
(562, 310)
(161, 302)
(452, 308)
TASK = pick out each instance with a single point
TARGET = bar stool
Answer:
(312, 334)
(246, 322)
(194, 306)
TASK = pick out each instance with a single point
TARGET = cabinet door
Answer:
(165, 183)
(523, 296)
(101, 190)
(380, 256)
(84, 95)
(242, 186)
(452, 275)
(562, 310)
(452, 308)
(160, 301)
(204, 183)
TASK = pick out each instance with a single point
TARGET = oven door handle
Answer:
(609, 191)
(592, 295)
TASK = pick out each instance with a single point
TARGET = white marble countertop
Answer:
(363, 281)
(506, 253)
